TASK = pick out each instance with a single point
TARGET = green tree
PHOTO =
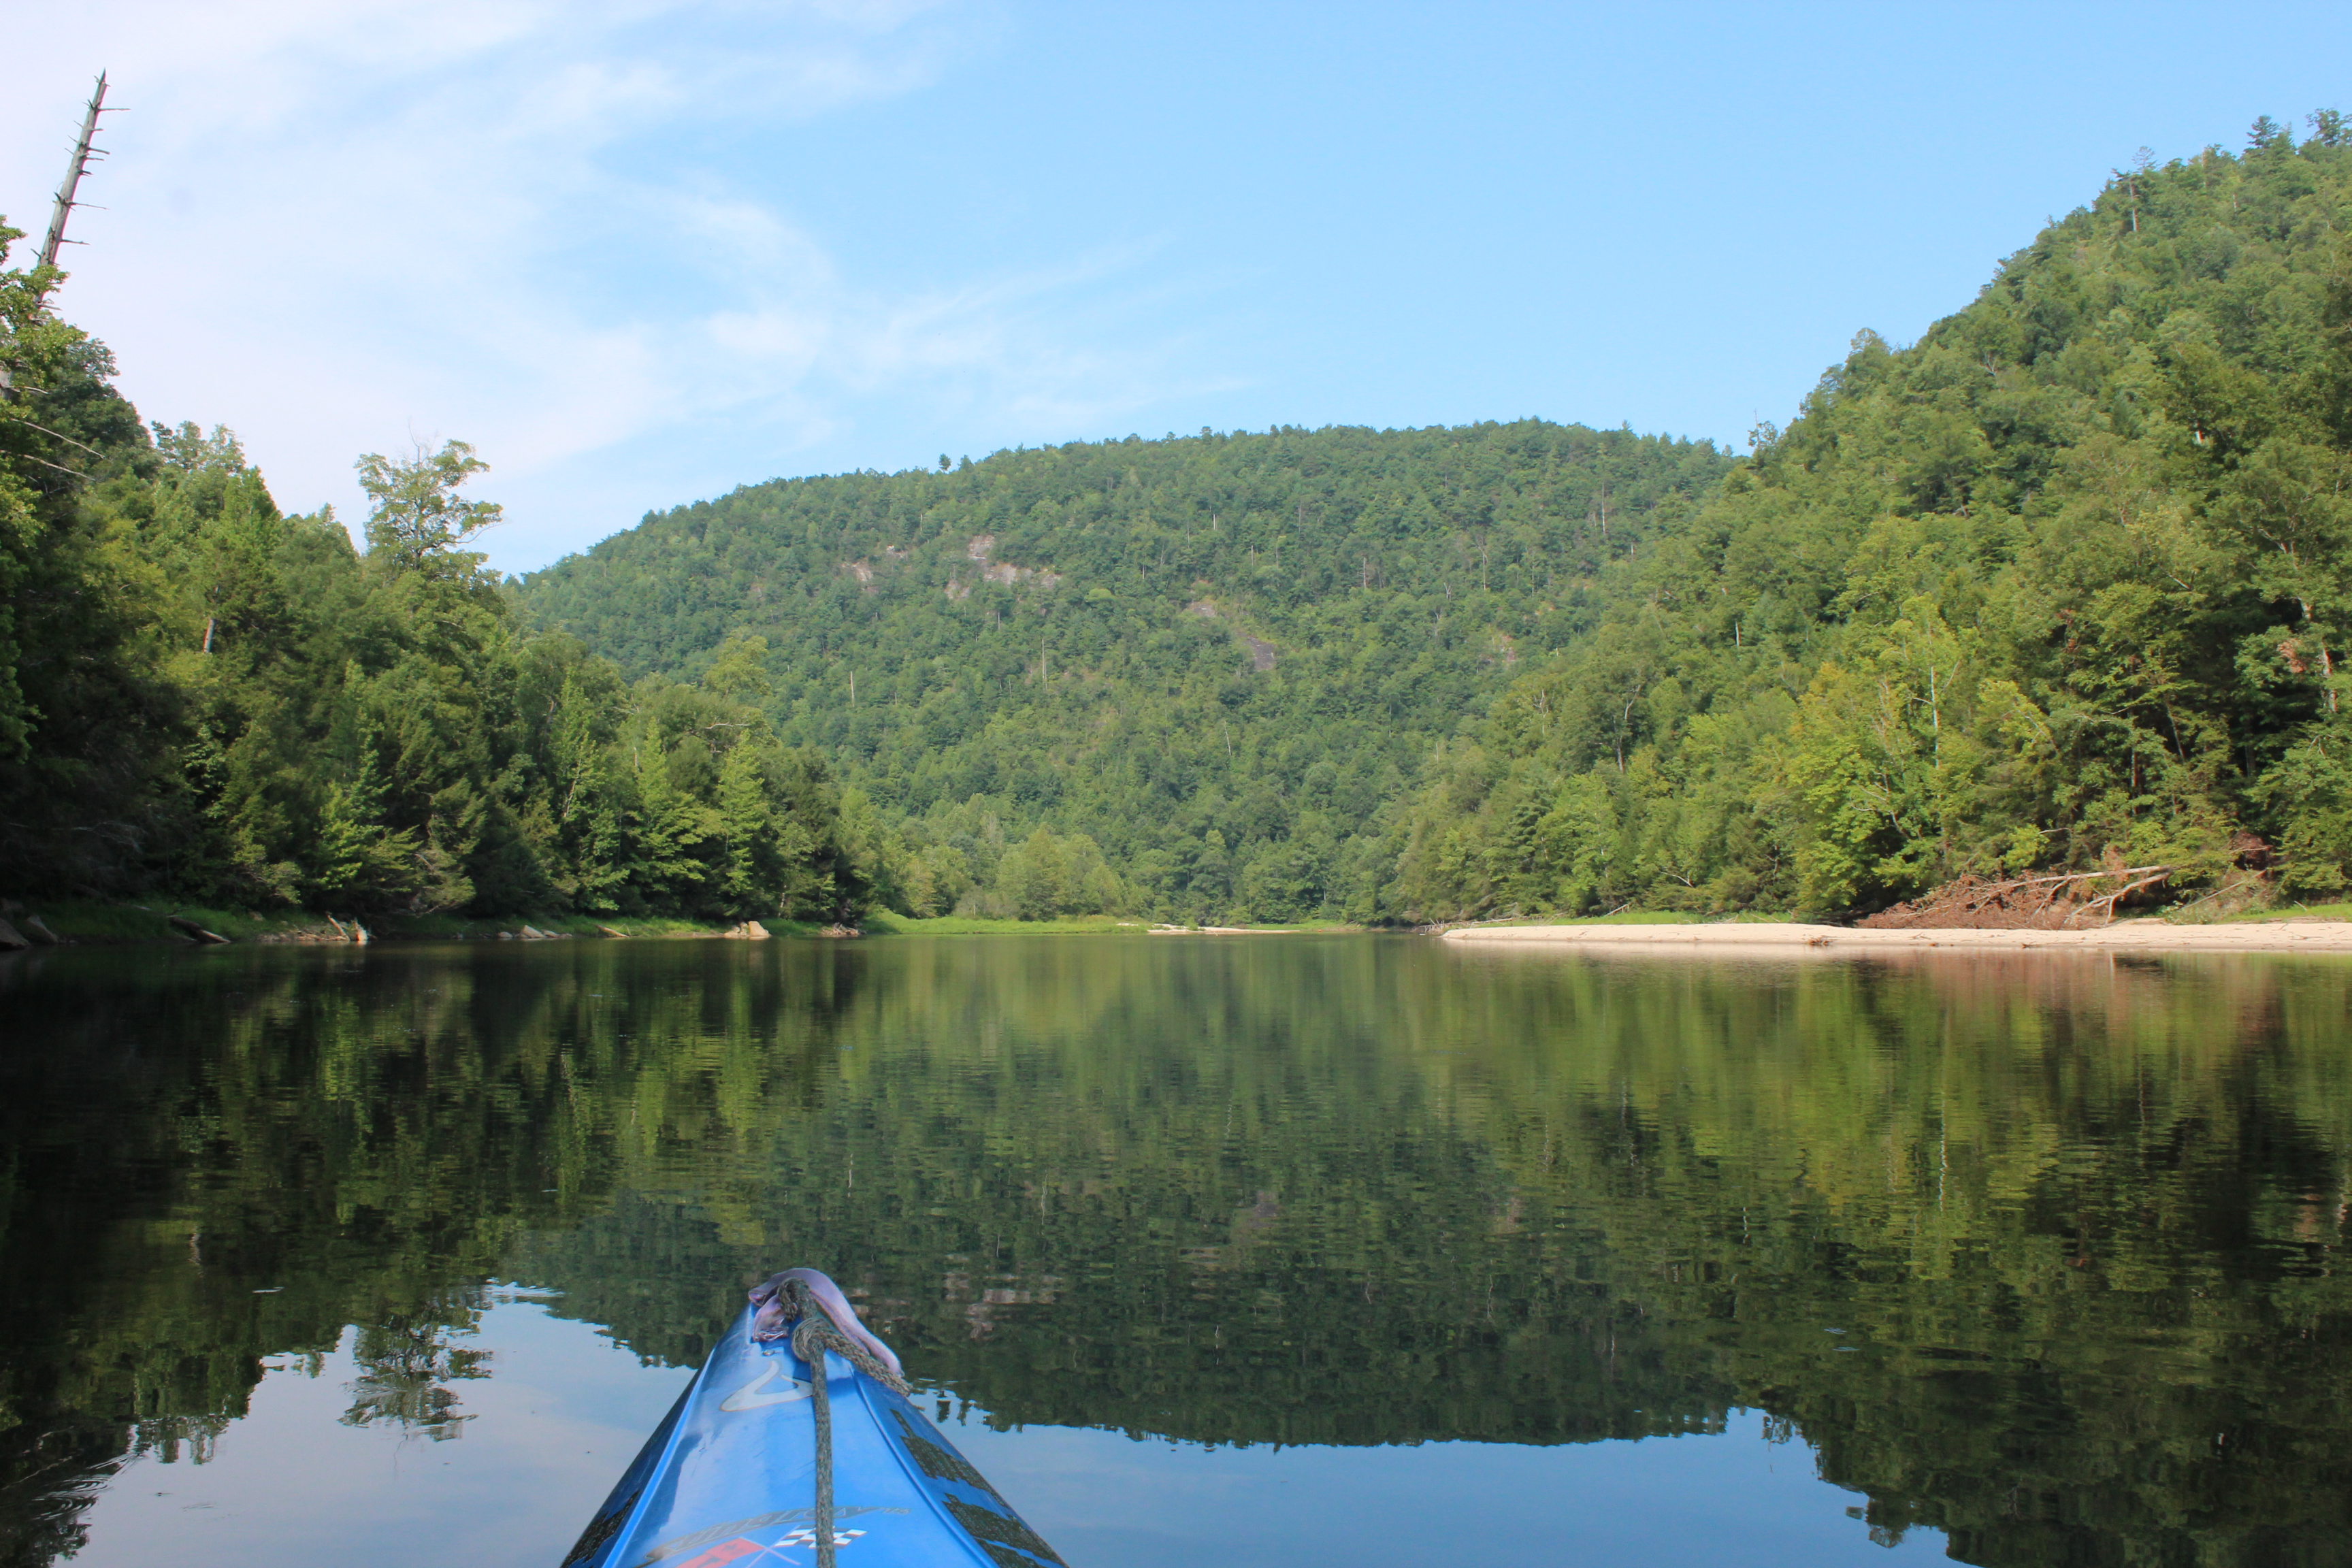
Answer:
(416, 515)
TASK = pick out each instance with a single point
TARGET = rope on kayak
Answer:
(801, 1294)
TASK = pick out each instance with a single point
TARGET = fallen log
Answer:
(2057, 901)
(196, 932)
(2112, 899)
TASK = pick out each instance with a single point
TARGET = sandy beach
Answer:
(1759, 938)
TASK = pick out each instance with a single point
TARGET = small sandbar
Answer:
(1753, 937)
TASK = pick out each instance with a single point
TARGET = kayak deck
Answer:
(732, 1475)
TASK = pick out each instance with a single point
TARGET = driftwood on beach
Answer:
(2076, 900)
(1790, 940)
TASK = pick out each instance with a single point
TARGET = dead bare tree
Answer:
(69, 187)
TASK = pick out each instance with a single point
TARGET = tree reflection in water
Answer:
(2038, 1251)
(406, 1365)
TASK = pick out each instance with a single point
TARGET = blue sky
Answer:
(640, 253)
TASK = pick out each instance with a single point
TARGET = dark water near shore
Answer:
(1244, 1251)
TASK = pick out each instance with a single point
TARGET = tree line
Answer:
(203, 696)
(1201, 669)
(2061, 585)
(2068, 582)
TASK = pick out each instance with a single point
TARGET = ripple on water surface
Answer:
(1356, 1246)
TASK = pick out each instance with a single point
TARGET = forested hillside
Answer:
(2066, 583)
(1191, 675)
(205, 699)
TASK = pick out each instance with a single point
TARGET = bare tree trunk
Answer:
(75, 170)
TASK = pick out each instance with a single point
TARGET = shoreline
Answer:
(54, 923)
(1760, 939)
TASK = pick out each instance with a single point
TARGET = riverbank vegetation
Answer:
(2060, 588)
(209, 699)
(2066, 585)
(1190, 677)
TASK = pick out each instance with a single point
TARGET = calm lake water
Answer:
(1254, 1251)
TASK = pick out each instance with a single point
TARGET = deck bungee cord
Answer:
(807, 1299)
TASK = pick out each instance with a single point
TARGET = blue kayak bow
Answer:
(797, 1444)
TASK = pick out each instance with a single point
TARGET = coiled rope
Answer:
(808, 1302)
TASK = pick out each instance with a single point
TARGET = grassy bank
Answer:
(2292, 912)
(82, 921)
(882, 923)
(88, 921)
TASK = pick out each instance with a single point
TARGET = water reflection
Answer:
(2040, 1252)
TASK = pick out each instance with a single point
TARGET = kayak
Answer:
(764, 1459)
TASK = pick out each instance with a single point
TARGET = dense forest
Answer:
(1190, 676)
(2066, 581)
(2064, 584)
(204, 697)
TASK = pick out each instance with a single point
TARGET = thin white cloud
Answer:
(331, 226)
